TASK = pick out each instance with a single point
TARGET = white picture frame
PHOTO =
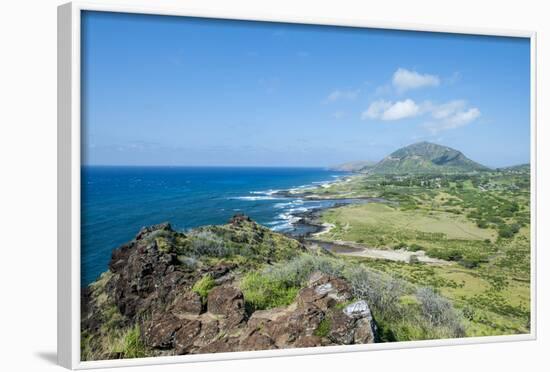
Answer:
(69, 163)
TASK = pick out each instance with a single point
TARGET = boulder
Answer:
(342, 328)
(185, 336)
(308, 341)
(358, 309)
(324, 291)
(365, 332)
(188, 303)
(257, 341)
(333, 287)
(209, 332)
(302, 321)
(222, 345)
(353, 325)
(226, 300)
(161, 331)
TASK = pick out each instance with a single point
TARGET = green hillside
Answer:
(426, 157)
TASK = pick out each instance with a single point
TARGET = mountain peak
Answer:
(427, 157)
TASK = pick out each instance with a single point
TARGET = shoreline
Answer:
(309, 228)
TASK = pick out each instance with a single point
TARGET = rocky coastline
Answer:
(152, 288)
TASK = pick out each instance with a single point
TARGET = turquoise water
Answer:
(118, 201)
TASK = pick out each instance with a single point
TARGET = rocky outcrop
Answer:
(323, 314)
(320, 316)
(151, 287)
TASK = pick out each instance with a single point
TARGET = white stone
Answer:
(359, 309)
(323, 288)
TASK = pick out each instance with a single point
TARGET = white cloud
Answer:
(337, 95)
(463, 117)
(445, 110)
(376, 109)
(401, 110)
(404, 80)
(389, 111)
(452, 115)
(448, 115)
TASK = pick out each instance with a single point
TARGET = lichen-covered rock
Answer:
(365, 331)
(342, 329)
(358, 309)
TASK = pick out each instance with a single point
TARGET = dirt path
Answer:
(357, 250)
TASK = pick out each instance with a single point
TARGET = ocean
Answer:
(118, 201)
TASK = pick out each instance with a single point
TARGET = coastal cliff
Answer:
(203, 291)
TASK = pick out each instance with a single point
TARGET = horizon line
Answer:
(205, 166)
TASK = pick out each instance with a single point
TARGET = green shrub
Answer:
(439, 311)
(482, 224)
(400, 245)
(265, 292)
(380, 290)
(206, 243)
(504, 231)
(415, 248)
(277, 285)
(324, 328)
(204, 285)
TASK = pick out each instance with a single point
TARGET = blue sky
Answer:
(163, 90)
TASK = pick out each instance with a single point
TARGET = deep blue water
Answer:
(118, 201)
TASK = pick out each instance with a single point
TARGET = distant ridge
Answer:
(354, 166)
(426, 157)
(516, 168)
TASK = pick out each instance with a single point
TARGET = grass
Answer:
(265, 292)
(130, 344)
(394, 303)
(387, 220)
(480, 223)
(203, 286)
(114, 339)
(114, 343)
(442, 235)
(277, 284)
(489, 307)
(324, 328)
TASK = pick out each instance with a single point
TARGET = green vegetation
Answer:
(277, 284)
(386, 220)
(479, 222)
(245, 243)
(131, 344)
(203, 286)
(324, 328)
(425, 157)
(389, 298)
(114, 339)
(265, 292)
